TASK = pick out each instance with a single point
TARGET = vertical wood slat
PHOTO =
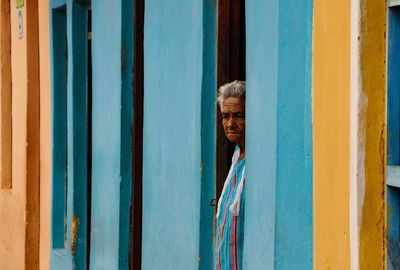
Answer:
(6, 101)
(137, 139)
(33, 139)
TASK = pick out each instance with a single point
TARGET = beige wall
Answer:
(45, 134)
(13, 201)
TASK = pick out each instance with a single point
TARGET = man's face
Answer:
(233, 119)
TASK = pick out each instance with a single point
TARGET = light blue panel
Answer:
(111, 140)
(208, 131)
(294, 186)
(69, 182)
(261, 132)
(393, 85)
(173, 82)
(279, 225)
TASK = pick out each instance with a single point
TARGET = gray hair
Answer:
(232, 89)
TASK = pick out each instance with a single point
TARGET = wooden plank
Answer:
(393, 176)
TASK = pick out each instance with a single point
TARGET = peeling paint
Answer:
(74, 233)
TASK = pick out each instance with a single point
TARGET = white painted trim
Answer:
(358, 102)
(393, 176)
(393, 3)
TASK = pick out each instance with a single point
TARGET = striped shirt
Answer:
(230, 218)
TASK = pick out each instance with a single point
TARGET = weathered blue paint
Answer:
(73, 174)
(208, 131)
(393, 87)
(111, 140)
(393, 229)
(174, 78)
(279, 227)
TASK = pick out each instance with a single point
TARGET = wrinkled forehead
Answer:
(233, 104)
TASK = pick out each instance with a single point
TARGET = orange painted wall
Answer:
(13, 201)
(45, 134)
(331, 120)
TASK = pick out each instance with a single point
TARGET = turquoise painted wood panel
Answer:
(393, 131)
(69, 118)
(278, 222)
(208, 135)
(112, 58)
(179, 140)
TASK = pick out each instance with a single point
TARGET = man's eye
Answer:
(224, 116)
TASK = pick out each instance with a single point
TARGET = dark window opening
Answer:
(137, 139)
(231, 65)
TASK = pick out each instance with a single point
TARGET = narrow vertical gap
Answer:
(6, 100)
(137, 137)
(231, 65)
(89, 133)
(33, 139)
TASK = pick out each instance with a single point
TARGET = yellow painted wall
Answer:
(331, 97)
(373, 76)
(45, 134)
(13, 201)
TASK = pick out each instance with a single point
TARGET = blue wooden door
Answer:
(112, 60)
(393, 133)
(178, 134)
(69, 134)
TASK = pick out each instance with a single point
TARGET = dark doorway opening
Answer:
(231, 65)
(137, 138)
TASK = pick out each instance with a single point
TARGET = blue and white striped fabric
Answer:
(230, 218)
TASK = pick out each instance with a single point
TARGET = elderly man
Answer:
(230, 211)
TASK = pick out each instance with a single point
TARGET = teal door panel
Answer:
(112, 61)
(69, 117)
(178, 134)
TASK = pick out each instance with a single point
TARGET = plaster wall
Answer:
(331, 121)
(13, 201)
(45, 134)
(372, 119)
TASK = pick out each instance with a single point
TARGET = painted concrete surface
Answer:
(278, 228)
(373, 87)
(45, 134)
(173, 64)
(13, 201)
(331, 88)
